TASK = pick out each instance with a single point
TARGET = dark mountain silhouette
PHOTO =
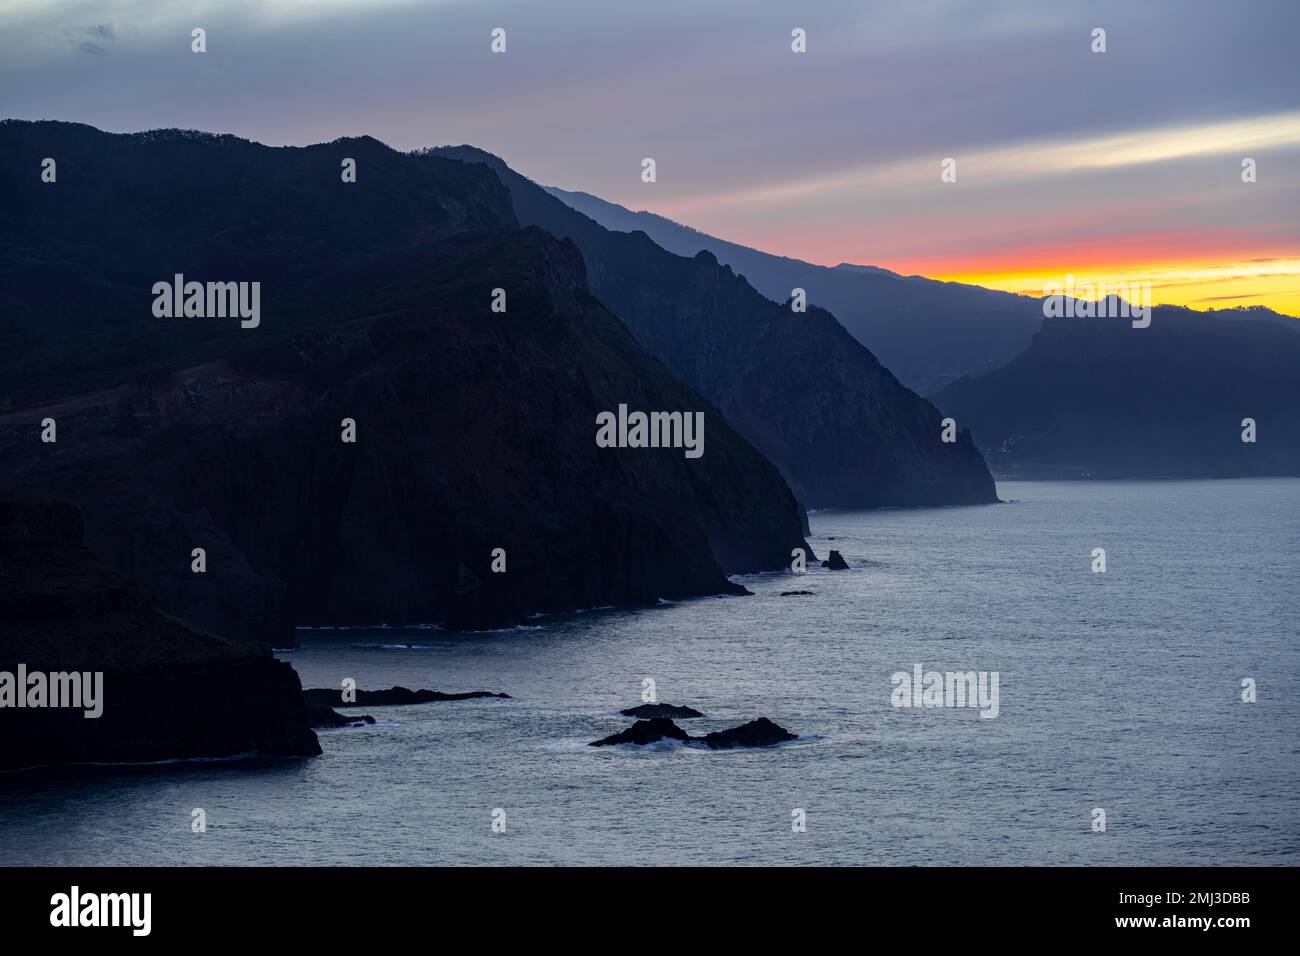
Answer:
(926, 332)
(168, 691)
(840, 426)
(1095, 397)
(475, 430)
(78, 257)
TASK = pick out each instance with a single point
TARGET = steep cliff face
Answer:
(475, 431)
(168, 691)
(839, 425)
(1095, 397)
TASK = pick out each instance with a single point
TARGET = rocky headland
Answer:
(166, 690)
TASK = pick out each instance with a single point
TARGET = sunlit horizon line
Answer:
(1285, 304)
(1026, 270)
(1158, 271)
(1237, 283)
(1026, 273)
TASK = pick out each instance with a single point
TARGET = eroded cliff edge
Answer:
(475, 431)
(168, 691)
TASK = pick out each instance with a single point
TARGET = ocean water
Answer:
(1118, 691)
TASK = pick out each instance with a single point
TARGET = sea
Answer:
(1146, 715)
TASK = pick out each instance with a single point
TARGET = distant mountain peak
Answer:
(465, 153)
(854, 267)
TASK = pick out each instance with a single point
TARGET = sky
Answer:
(1117, 166)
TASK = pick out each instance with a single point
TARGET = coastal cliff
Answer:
(475, 427)
(168, 691)
(474, 431)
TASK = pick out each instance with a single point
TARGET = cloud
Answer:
(831, 155)
(1235, 298)
(1026, 160)
(85, 39)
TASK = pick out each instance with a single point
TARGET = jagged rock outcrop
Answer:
(671, 711)
(841, 427)
(645, 732)
(323, 697)
(327, 718)
(168, 691)
(757, 733)
(835, 561)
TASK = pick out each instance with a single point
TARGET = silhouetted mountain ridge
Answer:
(128, 210)
(840, 426)
(1095, 397)
(926, 332)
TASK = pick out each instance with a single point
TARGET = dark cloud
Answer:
(84, 38)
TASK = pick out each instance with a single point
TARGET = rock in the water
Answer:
(326, 717)
(793, 593)
(384, 698)
(646, 711)
(836, 562)
(756, 733)
(168, 691)
(645, 732)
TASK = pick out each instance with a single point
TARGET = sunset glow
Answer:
(1157, 205)
(1273, 283)
(1127, 163)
